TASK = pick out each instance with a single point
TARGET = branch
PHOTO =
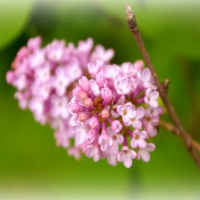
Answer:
(174, 130)
(132, 24)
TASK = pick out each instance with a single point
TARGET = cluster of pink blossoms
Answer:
(110, 111)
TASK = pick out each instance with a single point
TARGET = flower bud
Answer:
(94, 123)
(76, 108)
(83, 95)
(116, 126)
(105, 114)
(84, 84)
(89, 103)
(77, 91)
(83, 116)
(91, 136)
(100, 80)
(106, 94)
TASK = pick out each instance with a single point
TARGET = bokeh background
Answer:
(32, 167)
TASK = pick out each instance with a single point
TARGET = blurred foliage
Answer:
(29, 159)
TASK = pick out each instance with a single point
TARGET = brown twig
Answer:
(132, 24)
(174, 130)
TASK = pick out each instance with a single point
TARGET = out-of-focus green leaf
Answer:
(13, 17)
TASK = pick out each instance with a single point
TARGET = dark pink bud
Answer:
(76, 108)
(77, 91)
(34, 43)
(94, 123)
(116, 126)
(23, 52)
(10, 77)
(89, 103)
(105, 114)
(91, 136)
(83, 95)
(83, 116)
(106, 94)
(100, 80)
(84, 84)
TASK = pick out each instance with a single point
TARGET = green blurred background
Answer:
(32, 167)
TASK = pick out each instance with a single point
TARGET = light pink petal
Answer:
(145, 155)
(115, 148)
(120, 156)
(146, 75)
(152, 131)
(142, 143)
(104, 145)
(120, 108)
(137, 124)
(150, 147)
(96, 157)
(140, 113)
(120, 139)
(80, 138)
(134, 143)
(143, 134)
(127, 161)
(131, 113)
(132, 154)
(94, 87)
(154, 95)
(154, 103)
(90, 152)
(112, 159)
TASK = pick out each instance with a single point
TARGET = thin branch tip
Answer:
(130, 18)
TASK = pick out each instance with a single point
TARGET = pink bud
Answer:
(116, 126)
(77, 91)
(100, 80)
(83, 95)
(76, 108)
(34, 43)
(105, 114)
(139, 64)
(88, 102)
(84, 84)
(83, 116)
(10, 77)
(91, 136)
(106, 94)
(94, 123)
(23, 52)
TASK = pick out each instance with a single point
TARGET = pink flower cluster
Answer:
(110, 111)
(115, 112)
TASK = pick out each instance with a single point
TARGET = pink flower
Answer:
(151, 98)
(93, 152)
(105, 141)
(127, 112)
(144, 153)
(112, 109)
(116, 126)
(84, 84)
(106, 94)
(147, 79)
(136, 121)
(126, 155)
(60, 81)
(117, 139)
(59, 107)
(138, 139)
(80, 134)
(121, 84)
(102, 54)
